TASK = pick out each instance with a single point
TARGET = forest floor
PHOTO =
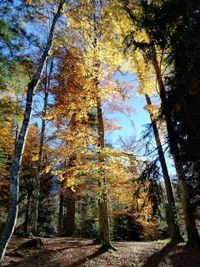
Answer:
(74, 252)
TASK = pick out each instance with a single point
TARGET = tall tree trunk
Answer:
(69, 219)
(104, 231)
(36, 196)
(172, 215)
(15, 167)
(188, 210)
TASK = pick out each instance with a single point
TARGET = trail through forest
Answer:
(72, 252)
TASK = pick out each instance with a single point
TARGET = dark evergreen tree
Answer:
(173, 27)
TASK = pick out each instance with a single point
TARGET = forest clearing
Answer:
(100, 133)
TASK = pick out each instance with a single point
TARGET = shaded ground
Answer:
(72, 252)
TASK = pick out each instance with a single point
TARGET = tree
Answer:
(192, 232)
(14, 175)
(41, 146)
(27, 174)
(172, 219)
(74, 133)
(148, 86)
(9, 118)
(89, 32)
(146, 22)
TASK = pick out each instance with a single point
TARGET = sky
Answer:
(133, 125)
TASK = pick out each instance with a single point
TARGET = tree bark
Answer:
(189, 216)
(36, 196)
(26, 220)
(172, 219)
(60, 220)
(69, 219)
(83, 212)
(15, 167)
(104, 231)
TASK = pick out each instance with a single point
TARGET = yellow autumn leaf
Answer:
(35, 158)
(29, 2)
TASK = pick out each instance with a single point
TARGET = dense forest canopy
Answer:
(61, 87)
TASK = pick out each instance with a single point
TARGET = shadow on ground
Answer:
(72, 255)
(158, 257)
(89, 257)
(174, 256)
(77, 252)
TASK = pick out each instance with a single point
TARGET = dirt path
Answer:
(74, 252)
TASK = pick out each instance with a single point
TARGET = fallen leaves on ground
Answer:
(74, 252)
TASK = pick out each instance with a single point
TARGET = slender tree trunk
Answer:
(188, 210)
(27, 212)
(172, 215)
(60, 220)
(15, 167)
(17, 126)
(83, 212)
(36, 197)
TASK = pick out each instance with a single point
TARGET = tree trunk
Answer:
(15, 167)
(36, 196)
(172, 219)
(104, 231)
(26, 220)
(189, 216)
(83, 212)
(69, 219)
(60, 221)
